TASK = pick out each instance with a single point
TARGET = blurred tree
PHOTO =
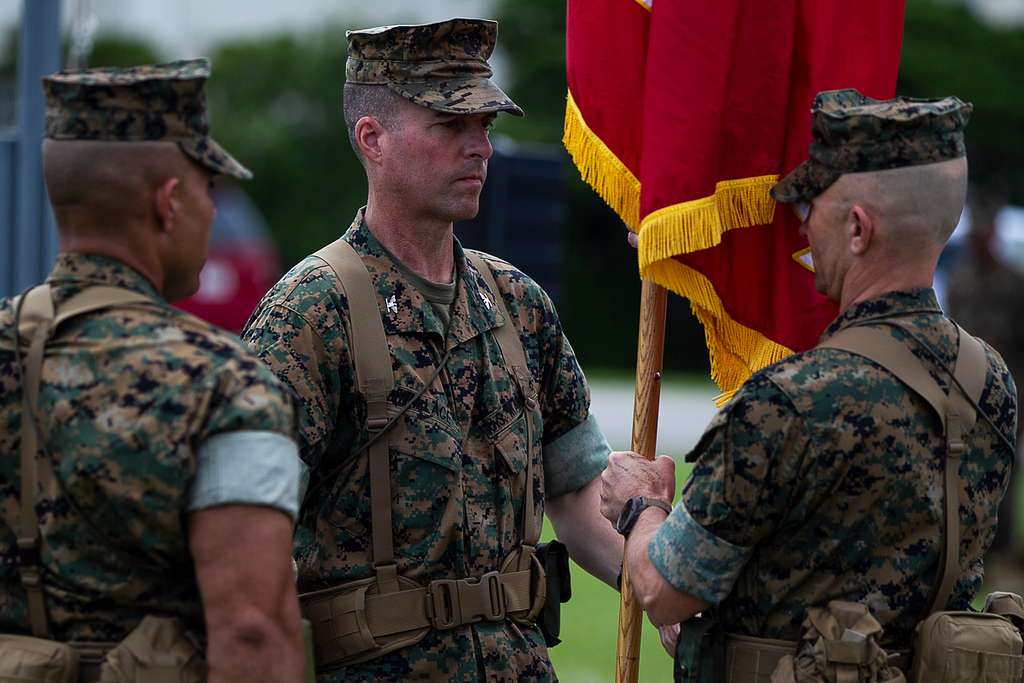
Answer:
(121, 50)
(948, 51)
(276, 104)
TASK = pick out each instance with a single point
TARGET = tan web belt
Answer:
(442, 604)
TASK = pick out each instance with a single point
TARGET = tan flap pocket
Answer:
(155, 652)
(24, 659)
(952, 647)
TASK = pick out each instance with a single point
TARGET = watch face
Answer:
(627, 516)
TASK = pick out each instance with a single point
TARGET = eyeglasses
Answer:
(803, 210)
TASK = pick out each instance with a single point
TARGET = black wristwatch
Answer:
(632, 509)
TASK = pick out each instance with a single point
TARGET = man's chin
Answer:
(465, 212)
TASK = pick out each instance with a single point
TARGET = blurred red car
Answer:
(242, 265)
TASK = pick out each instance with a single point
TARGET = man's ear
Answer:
(165, 203)
(368, 133)
(861, 229)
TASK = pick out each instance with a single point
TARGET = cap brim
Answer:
(459, 96)
(208, 153)
(805, 182)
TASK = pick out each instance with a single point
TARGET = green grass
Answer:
(590, 630)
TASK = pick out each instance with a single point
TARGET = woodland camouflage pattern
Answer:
(853, 133)
(825, 474)
(127, 397)
(151, 103)
(458, 457)
(441, 66)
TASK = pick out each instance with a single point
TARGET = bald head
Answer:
(915, 207)
(95, 184)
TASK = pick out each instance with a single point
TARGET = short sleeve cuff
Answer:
(694, 560)
(573, 460)
(247, 468)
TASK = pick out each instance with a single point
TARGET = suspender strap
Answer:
(515, 358)
(970, 373)
(35, 312)
(372, 358)
(36, 319)
(954, 410)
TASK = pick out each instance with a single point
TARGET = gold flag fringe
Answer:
(600, 168)
(736, 351)
(700, 223)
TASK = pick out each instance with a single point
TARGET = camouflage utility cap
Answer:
(853, 133)
(441, 66)
(150, 103)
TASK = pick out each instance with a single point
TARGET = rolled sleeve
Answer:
(573, 460)
(694, 560)
(247, 468)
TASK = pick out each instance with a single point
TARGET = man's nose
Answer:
(480, 145)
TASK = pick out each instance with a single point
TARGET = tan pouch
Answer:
(341, 626)
(24, 659)
(839, 645)
(156, 651)
(967, 647)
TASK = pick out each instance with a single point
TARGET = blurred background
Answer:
(275, 98)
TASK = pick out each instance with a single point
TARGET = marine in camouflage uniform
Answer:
(458, 455)
(148, 414)
(822, 478)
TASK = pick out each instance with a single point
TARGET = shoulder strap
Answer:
(955, 410)
(34, 313)
(35, 320)
(372, 359)
(515, 358)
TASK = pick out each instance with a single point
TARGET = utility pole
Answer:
(28, 236)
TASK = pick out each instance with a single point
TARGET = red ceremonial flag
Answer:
(682, 115)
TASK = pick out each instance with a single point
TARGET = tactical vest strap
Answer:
(515, 358)
(372, 358)
(955, 410)
(35, 320)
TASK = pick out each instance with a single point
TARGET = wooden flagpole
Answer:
(649, 355)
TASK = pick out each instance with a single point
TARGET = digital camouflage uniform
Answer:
(128, 396)
(457, 456)
(822, 478)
